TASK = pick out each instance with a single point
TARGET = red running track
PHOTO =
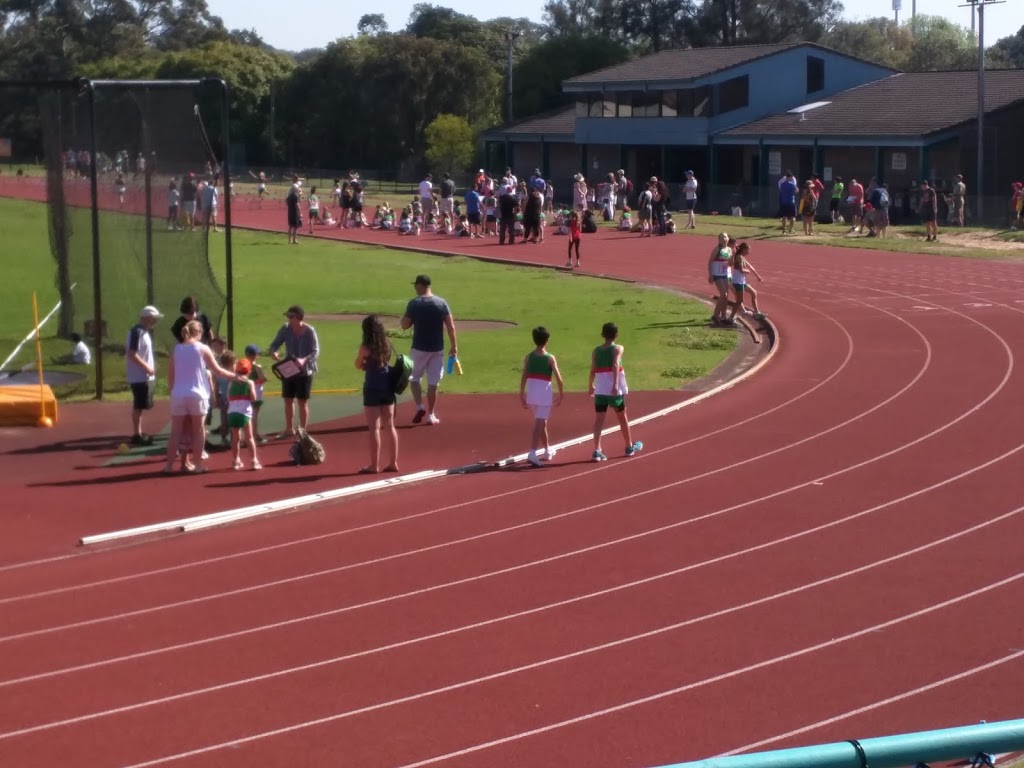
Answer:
(828, 550)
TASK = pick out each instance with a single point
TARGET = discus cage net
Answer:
(108, 152)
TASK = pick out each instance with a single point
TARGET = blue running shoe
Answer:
(598, 456)
(635, 448)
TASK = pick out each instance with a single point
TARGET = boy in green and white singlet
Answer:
(608, 387)
(241, 394)
(539, 368)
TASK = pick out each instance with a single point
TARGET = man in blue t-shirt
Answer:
(787, 202)
(473, 212)
(429, 317)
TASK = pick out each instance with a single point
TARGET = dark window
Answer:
(695, 102)
(669, 103)
(582, 107)
(815, 74)
(646, 104)
(734, 94)
(625, 102)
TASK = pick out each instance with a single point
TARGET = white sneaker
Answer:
(549, 454)
(534, 459)
(432, 419)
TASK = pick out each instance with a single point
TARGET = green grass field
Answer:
(665, 335)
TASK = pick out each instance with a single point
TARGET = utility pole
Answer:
(980, 181)
(897, 5)
(510, 40)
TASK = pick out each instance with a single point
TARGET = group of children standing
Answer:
(607, 386)
(727, 268)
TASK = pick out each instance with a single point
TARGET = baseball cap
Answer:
(252, 349)
(296, 310)
(150, 311)
(422, 280)
(653, 179)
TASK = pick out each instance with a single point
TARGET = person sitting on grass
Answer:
(431, 225)
(670, 226)
(588, 225)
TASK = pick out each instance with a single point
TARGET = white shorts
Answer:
(430, 363)
(189, 405)
(541, 412)
(190, 208)
(446, 205)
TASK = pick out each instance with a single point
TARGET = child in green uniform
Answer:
(608, 387)
(539, 368)
(241, 393)
(259, 378)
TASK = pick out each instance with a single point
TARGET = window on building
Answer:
(815, 74)
(609, 105)
(734, 94)
(596, 106)
(646, 104)
(694, 102)
(582, 107)
(625, 102)
(669, 103)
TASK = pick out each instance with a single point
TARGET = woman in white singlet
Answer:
(188, 379)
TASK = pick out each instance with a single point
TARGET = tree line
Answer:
(367, 100)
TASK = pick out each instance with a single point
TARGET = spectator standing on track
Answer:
(531, 216)
(303, 347)
(374, 359)
(539, 367)
(140, 370)
(446, 203)
(294, 213)
(209, 203)
(660, 203)
(609, 389)
(427, 194)
(189, 190)
(508, 205)
(429, 316)
(579, 193)
(856, 201)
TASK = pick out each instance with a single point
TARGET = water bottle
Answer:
(451, 365)
(458, 366)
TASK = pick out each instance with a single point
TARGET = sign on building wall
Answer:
(899, 161)
(5, 148)
(827, 173)
(774, 163)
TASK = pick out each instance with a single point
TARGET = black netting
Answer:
(145, 138)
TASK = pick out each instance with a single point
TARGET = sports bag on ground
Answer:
(306, 450)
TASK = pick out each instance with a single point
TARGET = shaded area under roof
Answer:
(557, 122)
(906, 104)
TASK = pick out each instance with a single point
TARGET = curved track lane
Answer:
(801, 558)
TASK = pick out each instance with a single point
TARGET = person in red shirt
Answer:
(1016, 207)
(574, 238)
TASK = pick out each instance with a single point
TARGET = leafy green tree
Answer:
(880, 40)
(372, 24)
(449, 142)
(1008, 52)
(940, 44)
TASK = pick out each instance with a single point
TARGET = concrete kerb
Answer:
(202, 522)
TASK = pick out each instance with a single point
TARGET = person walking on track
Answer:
(429, 317)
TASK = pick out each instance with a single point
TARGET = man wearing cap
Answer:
(302, 346)
(690, 187)
(140, 370)
(427, 196)
(429, 317)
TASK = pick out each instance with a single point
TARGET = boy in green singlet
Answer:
(608, 387)
(539, 368)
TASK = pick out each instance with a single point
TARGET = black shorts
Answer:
(474, 218)
(297, 387)
(833, 204)
(491, 218)
(787, 211)
(928, 217)
(374, 398)
(689, 205)
(142, 395)
(356, 207)
(294, 219)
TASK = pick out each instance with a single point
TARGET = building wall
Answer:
(642, 130)
(563, 164)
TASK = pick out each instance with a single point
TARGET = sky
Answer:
(314, 24)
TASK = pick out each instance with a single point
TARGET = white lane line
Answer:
(533, 611)
(878, 704)
(590, 715)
